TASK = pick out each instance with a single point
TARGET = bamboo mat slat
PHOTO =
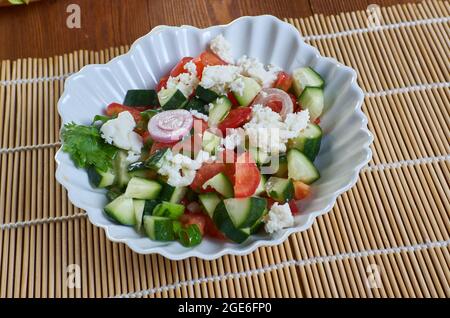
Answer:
(386, 237)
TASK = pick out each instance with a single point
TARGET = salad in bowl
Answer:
(221, 148)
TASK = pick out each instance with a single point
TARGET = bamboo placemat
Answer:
(386, 237)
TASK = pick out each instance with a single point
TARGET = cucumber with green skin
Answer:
(172, 194)
(142, 208)
(280, 189)
(261, 189)
(156, 160)
(300, 168)
(171, 98)
(159, 228)
(308, 141)
(210, 142)
(121, 209)
(245, 212)
(305, 77)
(219, 110)
(223, 222)
(312, 99)
(205, 95)
(140, 188)
(209, 202)
(249, 92)
(100, 179)
(141, 97)
(170, 210)
(120, 168)
(221, 184)
(196, 104)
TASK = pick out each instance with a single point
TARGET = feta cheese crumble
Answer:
(181, 169)
(278, 218)
(222, 48)
(267, 131)
(233, 139)
(264, 75)
(199, 115)
(185, 82)
(219, 78)
(119, 132)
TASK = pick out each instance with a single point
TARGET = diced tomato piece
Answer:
(206, 172)
(145, 136)
(295, 102)
(247, 176)
(270, 202)
(179, 68)
(114, 109)
(199, 126)
(212, 231)
(293, 207)
(317, 121)
(184, 201)
(235, 118)
(206, 58)
(284, 81)
(233, 99)
(189, 218)
(162, 83)
(275, 105)
(301, 189)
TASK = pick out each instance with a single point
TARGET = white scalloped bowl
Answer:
(345, 146)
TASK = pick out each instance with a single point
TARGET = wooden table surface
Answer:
(39, 29)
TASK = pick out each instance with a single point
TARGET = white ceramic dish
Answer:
(345, 148)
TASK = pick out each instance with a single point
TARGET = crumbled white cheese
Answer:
(253, 68)
(238, 86)
(278, 218)
(267, 131)
(199, 115)
(119, 132)
(181, 169)
(219, 77)
(185, 82)
(222, 48)
(233, 139)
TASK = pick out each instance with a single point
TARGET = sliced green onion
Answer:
(177, 227)
(169, 210)
(190, 236)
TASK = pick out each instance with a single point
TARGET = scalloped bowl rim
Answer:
(234, 249)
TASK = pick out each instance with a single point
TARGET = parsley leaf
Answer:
(86, 147)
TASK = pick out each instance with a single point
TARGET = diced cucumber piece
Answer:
(141, 97)
(251, 89)
(280, 189)
(140, 169)
(221, 184)
(306, 77)
(157, 159)
(244, 212)
(308, 141)
(142, 208)
(171, 98)
(205, 95)
(281, 170)
(312, 100)
(219, 110)
(223, 222)
(169, 210)
(172, 194)
(113, 193)
(210, 142)
(196, 104)
(260, 157)
(120, 166)
(261, 189)
(159, 228)
(209, 201)
(301, 168)
(121, 209)
(100, 179)
(139, 188)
